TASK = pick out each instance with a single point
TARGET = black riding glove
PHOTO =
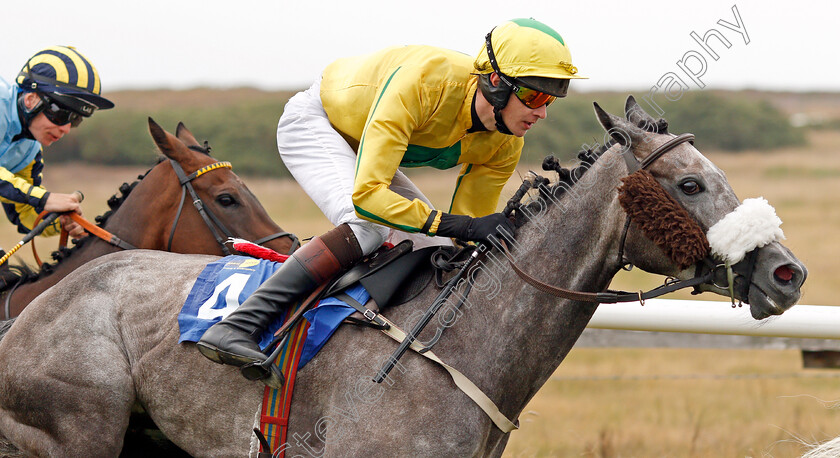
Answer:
(475, 229)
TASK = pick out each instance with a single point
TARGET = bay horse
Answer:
(106, 337)
(152, 214)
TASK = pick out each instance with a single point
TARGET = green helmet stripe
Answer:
(535, 24)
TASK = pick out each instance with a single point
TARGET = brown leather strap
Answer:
(667, 146)
(606, 297)
(634, 165)
(546, 288)
(90, 228)
(308, 303)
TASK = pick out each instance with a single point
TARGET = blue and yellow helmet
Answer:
(64, 75)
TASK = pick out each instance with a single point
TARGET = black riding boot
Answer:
(235, 339)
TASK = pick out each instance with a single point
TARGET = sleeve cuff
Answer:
(430, 228)
(42, 202)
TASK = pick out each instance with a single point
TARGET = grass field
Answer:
(633, 402)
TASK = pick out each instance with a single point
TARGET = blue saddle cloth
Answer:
(227, 282)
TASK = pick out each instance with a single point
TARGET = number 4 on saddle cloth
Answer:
(224, 284)
(391, 275)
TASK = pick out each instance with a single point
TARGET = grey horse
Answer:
(105, 338)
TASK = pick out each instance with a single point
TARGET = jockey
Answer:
(345, 138)
(55, 90)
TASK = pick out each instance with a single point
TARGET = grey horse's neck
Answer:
(521, 334)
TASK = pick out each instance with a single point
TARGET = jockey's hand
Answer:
(475, 229)
(74, 229)
(62, 203)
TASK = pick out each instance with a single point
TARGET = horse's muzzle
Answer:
(775, 282)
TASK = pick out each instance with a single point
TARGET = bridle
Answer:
(485, 403)
(207, 216)
(610, 297)
(210, 220)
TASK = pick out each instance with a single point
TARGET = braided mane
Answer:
(548, 190)
(566, 177)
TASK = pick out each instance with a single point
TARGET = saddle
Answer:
(392, 276)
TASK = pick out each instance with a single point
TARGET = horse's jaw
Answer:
(763, 306)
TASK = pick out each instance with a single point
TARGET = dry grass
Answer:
(647, 416)
(605, 403)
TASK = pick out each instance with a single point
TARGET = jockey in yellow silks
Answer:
(345, 138)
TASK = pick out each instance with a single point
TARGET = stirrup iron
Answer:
(270, 376)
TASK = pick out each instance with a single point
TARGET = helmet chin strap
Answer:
(27, 114)
(500, 123)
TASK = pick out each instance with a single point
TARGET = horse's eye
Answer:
(690, 187)
(226, 200)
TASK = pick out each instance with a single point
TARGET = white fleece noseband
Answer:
(752, 225)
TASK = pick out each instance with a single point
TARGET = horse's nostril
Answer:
(783, 274)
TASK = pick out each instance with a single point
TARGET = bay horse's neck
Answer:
(511, 338)
(135, 221)
(145, 217)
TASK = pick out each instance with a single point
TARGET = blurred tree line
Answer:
(720, 122)
(241, 128)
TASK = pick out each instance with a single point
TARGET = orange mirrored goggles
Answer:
(532, 98)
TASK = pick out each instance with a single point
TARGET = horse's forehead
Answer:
(196, 161)
(689, 160)
(684, 158)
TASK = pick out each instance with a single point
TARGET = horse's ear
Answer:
(185, 135)
(158, 134)
(639, 117)
(166, 142)
(636, 115)
(620, 130)
(611, 124)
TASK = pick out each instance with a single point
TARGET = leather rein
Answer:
(611, 297)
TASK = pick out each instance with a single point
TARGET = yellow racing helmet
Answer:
(527, 47)
(65, 76)
(527, 52)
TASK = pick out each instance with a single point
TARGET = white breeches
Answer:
(323, 163)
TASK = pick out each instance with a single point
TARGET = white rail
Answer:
(707, 317)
